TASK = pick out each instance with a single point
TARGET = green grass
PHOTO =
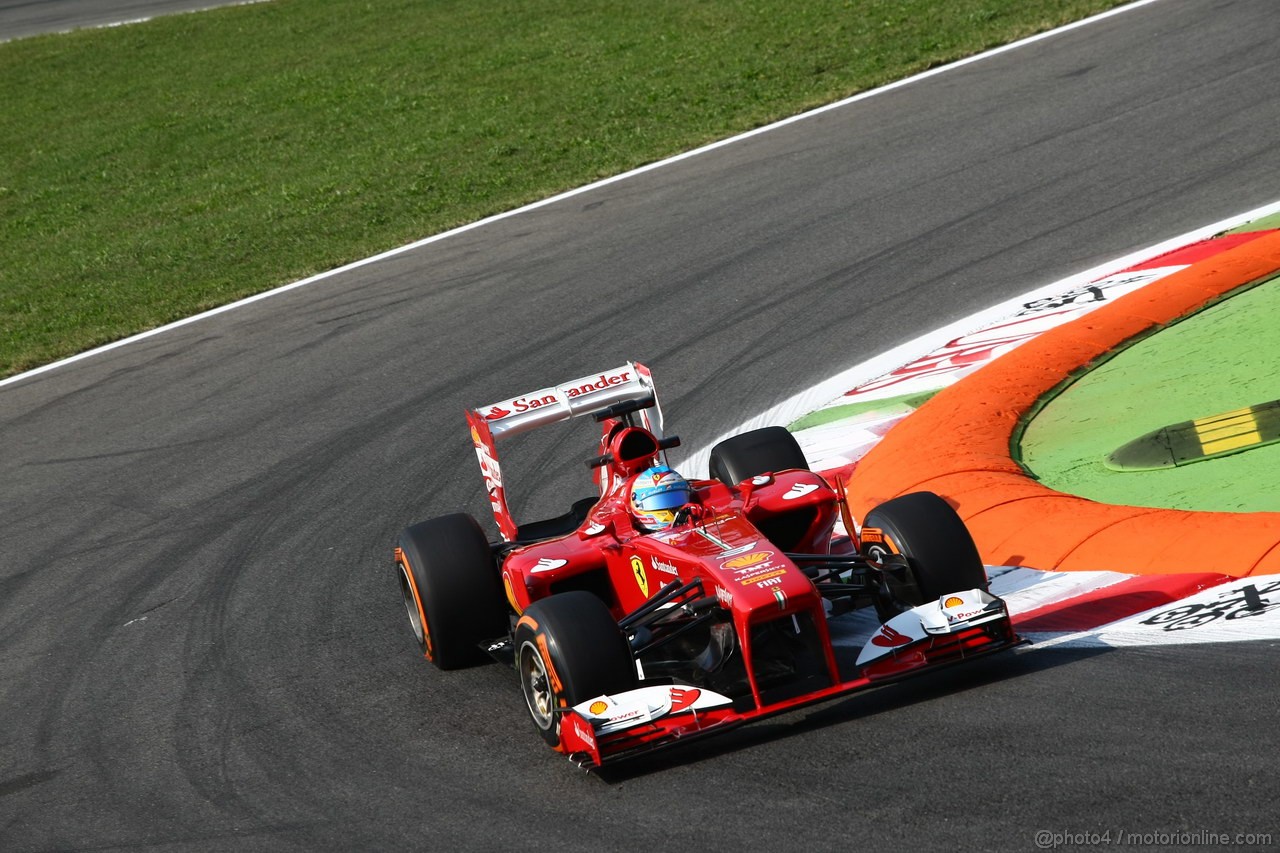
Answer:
(881, 408)
(155, 170)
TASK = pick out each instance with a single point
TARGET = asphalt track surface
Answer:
(21, 18)
(203, 643)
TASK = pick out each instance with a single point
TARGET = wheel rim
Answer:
(538, 694)
(411, 606)
(878, 553)
(886, 605)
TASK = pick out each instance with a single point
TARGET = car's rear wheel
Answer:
(760, 451)
(569, 649)
(940, 552)
(449, 583)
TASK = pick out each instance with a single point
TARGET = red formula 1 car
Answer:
(627, 636)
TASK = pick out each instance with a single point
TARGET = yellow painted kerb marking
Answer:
(1228, 431)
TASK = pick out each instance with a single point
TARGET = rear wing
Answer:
(586, 396)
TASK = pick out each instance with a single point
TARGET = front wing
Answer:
(959, 626)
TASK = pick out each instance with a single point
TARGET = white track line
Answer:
(571, 193)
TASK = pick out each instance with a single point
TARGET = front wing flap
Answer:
(959, 626)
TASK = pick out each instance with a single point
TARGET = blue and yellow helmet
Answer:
(656, 494)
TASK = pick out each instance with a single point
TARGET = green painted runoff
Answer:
(1223, 358)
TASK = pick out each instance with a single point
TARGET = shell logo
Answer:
(598, 707)
(746, 560)
(953, 601)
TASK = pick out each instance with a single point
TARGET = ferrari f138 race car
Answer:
(661, 609)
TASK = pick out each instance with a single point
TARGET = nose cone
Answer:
(762, 579)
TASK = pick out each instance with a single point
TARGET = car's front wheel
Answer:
(569, 649)
(940, 552)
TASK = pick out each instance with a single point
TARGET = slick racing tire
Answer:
(451, 589)
(760, 451)
(569, 649)
(939, 550)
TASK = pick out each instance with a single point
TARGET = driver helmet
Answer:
(656, 494)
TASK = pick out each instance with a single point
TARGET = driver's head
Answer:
(656, 494)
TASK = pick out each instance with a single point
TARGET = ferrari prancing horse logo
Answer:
(637, 568)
